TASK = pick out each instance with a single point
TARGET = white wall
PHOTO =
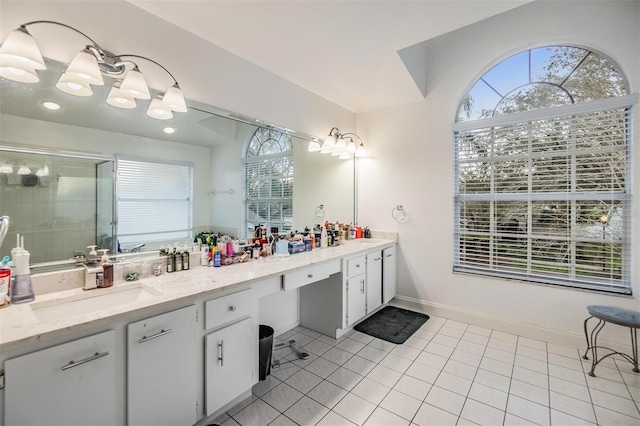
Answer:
(411, 163)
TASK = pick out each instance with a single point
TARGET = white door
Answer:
(356, 299)
(374, 281)
(68, 384)
(231, 364)
(388, 274)
(161, 375)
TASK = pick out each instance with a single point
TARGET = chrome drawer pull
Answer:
(221, 350)
(88, 359)
(153, 336)
(362, 286)
(232, 308)
(310, 276)
(357, 265)
(378, 258)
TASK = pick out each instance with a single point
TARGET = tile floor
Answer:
(447, 373)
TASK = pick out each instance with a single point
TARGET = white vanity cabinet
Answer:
(231, 349)
(389, 279)
(374, 280)
(69, 384)
(355, 289)
(162, 375)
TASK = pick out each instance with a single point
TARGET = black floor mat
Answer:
(392, 324)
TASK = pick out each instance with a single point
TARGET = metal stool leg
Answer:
(586, 336)
(634, 348)
(594, 348)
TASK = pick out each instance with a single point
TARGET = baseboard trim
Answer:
(561, 338)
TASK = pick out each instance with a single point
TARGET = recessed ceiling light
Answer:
(169, 130)
(53, 106)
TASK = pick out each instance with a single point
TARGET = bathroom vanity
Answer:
(176, 348)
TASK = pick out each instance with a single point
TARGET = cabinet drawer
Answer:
(355, 266)
(310, 274)
(226, 309)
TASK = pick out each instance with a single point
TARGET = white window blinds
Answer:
(154, 201)
(546, 197)
(269, 192)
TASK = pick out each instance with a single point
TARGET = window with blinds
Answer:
(154, 201)
(544, 195)
(269, 181)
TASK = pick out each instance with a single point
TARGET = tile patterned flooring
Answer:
(447, 373)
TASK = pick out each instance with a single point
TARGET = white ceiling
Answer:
(344, 51)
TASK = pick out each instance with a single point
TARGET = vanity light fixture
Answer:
(341, 145)
(24, 170)
(6, 168)
(20, 59)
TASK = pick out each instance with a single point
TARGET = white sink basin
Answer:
(90, 301)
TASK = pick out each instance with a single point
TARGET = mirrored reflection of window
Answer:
(154, 202)
(542, 190)
(269, 180)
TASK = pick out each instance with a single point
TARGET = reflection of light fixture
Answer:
(169, 130)
(119, 98)
(6, 168)
(50, 105)
(314, 146)
(20, 58)
(24, 170)
(342, 145)
(43, 171)
(158, 111)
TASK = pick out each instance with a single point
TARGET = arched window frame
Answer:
(268, 180)
(511, 167)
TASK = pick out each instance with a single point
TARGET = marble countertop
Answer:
(20, 325)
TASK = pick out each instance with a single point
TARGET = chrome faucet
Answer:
(137, 248)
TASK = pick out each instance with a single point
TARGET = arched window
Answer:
(269, 180)
(542, 194)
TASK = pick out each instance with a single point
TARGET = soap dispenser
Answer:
(107, 269)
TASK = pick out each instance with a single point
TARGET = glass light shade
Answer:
(69, 84)
(329, 142)
(345, 156)
(174, 99)
(22, 48)
(6, 168)
(135, 83)
(326, 150)
(120, 99)
(43, 171)
(351, 147)
(84, 68)
(24, 170)
(158, 111)
(314, 146)
(361, 152)
(340, 147)
(13, 70)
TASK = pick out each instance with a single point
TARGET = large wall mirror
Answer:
(72, 205)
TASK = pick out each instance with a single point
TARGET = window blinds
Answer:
(154, 201)
(546, 199)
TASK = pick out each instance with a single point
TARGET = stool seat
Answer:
(616, 315)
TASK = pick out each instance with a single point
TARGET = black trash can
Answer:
(266, 346)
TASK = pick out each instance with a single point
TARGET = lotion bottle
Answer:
(323, 237)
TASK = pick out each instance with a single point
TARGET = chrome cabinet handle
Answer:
(377, 258)
(357, 265)
(362, 286)
(221, 352)
(84, 361)
(232, 308)
(389, 255)
(154, 336)
(310, 276)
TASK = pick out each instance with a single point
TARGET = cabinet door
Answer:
(231, 364)
(374, 281)
(161, 374)
(388, 274)
(356, 299)
(68, 384)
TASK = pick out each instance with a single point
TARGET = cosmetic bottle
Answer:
(323, 237)
(216, 259)
(185, 260)
(204, 255)
(171, 262)
(21, 288)
(5, 282)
